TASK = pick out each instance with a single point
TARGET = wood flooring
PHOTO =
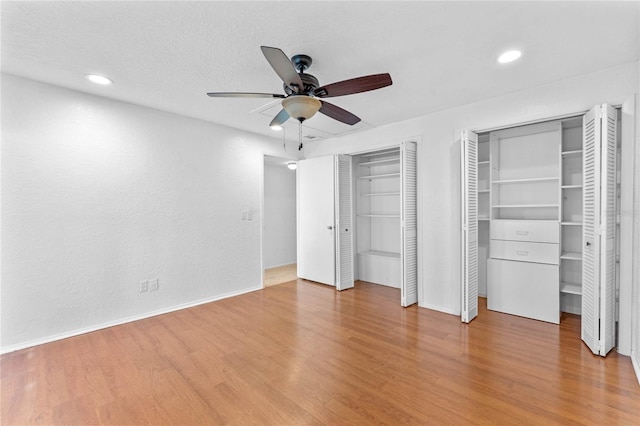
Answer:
(280, 274)
(301, 353)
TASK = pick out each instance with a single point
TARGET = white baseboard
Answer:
(635, 360)
(439, 309)
(79, 331)
(280, 266)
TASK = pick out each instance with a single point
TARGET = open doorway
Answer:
(279, 221)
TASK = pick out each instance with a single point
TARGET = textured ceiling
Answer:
(167, 55)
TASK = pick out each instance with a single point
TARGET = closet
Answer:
(370, 223)
(378, 216)
(538, 222)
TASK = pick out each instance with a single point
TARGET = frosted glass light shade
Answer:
(301, 107)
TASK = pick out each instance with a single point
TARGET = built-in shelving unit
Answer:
(571, 225)
(378, 213)
(525, 212)
(484, 209)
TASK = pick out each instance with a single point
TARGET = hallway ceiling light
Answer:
(292, 165)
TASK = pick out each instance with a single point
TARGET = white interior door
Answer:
(344, 222)
(608, 227)
(590, 231)
(598, 257)
(469, 242)
(409, 220)
(316, 242)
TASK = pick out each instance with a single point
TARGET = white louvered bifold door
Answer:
(344, 219)
(409, 224)
(469, 242)
(608, 230)
(590, 231)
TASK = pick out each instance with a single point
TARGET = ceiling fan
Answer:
(302, 90)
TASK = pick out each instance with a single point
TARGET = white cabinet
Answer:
(524, 248)
(525, 251)
(524, 289)
(521, 230)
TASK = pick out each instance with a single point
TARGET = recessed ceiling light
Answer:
(99, 79)
(509, 56)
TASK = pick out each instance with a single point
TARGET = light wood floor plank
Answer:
(302, 353)
(280, 274)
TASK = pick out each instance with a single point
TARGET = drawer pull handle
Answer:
(522, 252)
(522, 232)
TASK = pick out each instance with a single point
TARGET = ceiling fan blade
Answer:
(244, 95)
(279, 119)
(354, 85)
(283, 67)
(337, 113)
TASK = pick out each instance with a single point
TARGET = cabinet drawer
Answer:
(525, 230)
(525, 251)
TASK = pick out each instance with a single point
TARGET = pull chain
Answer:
(284, 138)
(300, 137)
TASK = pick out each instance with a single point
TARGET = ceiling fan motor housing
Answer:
(310, 84)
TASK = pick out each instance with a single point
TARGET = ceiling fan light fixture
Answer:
(301, 107)
(276, 127)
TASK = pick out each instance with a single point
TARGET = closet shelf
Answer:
(519, 206)
(570, 288)
(394, 160)
(571, 223)
(571, 186)
(573, 152)
(571, 256)
(380, 254)
(484, 218)
(482, 191)
(386, 175)
(379, 194)
(390, 152)
(380, 215)
(527, 180)
(481, 163)
(527, 220)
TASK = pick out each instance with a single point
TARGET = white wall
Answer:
(279, 216)
(438, 137)
(98, 195)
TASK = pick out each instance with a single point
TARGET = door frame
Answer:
(419, 199)
(262, 210)
(631, 288)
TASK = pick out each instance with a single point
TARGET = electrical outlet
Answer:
(144, 286)
(153, 285)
